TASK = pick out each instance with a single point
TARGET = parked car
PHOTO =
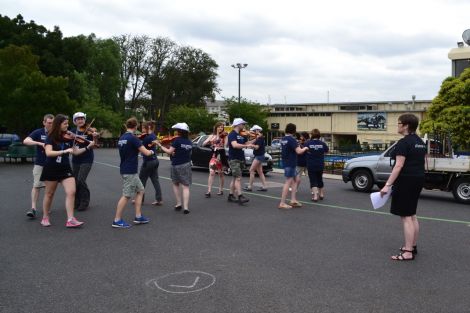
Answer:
(201, 156)
(276, 144)
(8, 139)
(443, 173)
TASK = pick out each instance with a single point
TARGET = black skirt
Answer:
(405, 195)
(56, 172)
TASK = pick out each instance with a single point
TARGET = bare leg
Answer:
(176, 191)
(221, 181)
(210, 180)
(51, 187)
(409, 233)
(285, 190)
(294, 190)
(416, 230)
(253, 169)
(237, 185)
(185, 197)
(69, 187)
(34, 197)
(138, 203)
(120, 207)
(261, 174)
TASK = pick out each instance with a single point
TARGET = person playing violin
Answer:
(217, 140)
(57, 169)
(180, 155)
(149, 168)
(38, 138)
(81, 164)
(258, 152)
(236, 155)
(129, 147)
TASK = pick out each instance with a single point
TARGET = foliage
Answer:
(450, 110)
(198, 119)
(24, 88)
(252, 112)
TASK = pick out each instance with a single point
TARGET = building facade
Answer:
(374, 123)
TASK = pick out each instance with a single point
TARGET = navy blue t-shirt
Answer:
(289, 156)
(58, 147)
(40, 135)
(87, 156)
(235, 154)
(302, 158)
(183, 148)
(146, 142)
(414, 151)
(316, 154)
(259, 142)
(128, 146)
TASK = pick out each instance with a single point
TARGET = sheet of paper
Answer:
(377, 200)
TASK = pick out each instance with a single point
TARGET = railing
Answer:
(334, 162)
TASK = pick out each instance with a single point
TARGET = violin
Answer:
(87, 130)
(223, 134)
(69, 136)
(167, 140)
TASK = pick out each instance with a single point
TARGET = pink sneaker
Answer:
(45, 222)
(73, 223)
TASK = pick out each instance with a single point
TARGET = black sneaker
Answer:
(31, 213)
(242, 199)
(231, 198)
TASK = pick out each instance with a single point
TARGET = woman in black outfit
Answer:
(57, 169)
(407, 179)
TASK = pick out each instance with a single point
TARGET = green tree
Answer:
(450, 110)
(250, 111)
(198, 119)
(26, 94)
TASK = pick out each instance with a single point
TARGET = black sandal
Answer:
(400, 257)
(207, 194)
(178, 208)
(220, 193)
(415, 250)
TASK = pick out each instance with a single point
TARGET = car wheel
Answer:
(228, 171)
(461, 190)
(362, 181)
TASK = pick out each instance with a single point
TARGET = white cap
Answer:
(77, 115)
(181, 126)
(238, 121)
(256, 127)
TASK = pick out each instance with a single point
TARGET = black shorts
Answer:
(405, 195)
(56, 172)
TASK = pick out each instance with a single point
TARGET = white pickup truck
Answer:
(443, 173)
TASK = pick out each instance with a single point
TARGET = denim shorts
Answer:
(259, 158)
(289, 172)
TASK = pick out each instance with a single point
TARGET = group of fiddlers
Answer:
(301, 154)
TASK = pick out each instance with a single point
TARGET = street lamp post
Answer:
(239, 66)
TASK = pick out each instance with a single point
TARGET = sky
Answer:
(297, 51)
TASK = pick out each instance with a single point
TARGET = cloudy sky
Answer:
(297, 51)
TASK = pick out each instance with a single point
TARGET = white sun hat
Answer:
(181, 126)
(238, 121)
(77, 115)
(256, 127)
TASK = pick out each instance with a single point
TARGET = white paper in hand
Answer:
(377, 200)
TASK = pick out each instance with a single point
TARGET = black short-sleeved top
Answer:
(414, 151)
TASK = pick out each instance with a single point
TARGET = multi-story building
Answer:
(347, 122)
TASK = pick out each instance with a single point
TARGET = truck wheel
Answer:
(461, 190)
(362, 181)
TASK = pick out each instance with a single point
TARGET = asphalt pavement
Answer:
(330, 256)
